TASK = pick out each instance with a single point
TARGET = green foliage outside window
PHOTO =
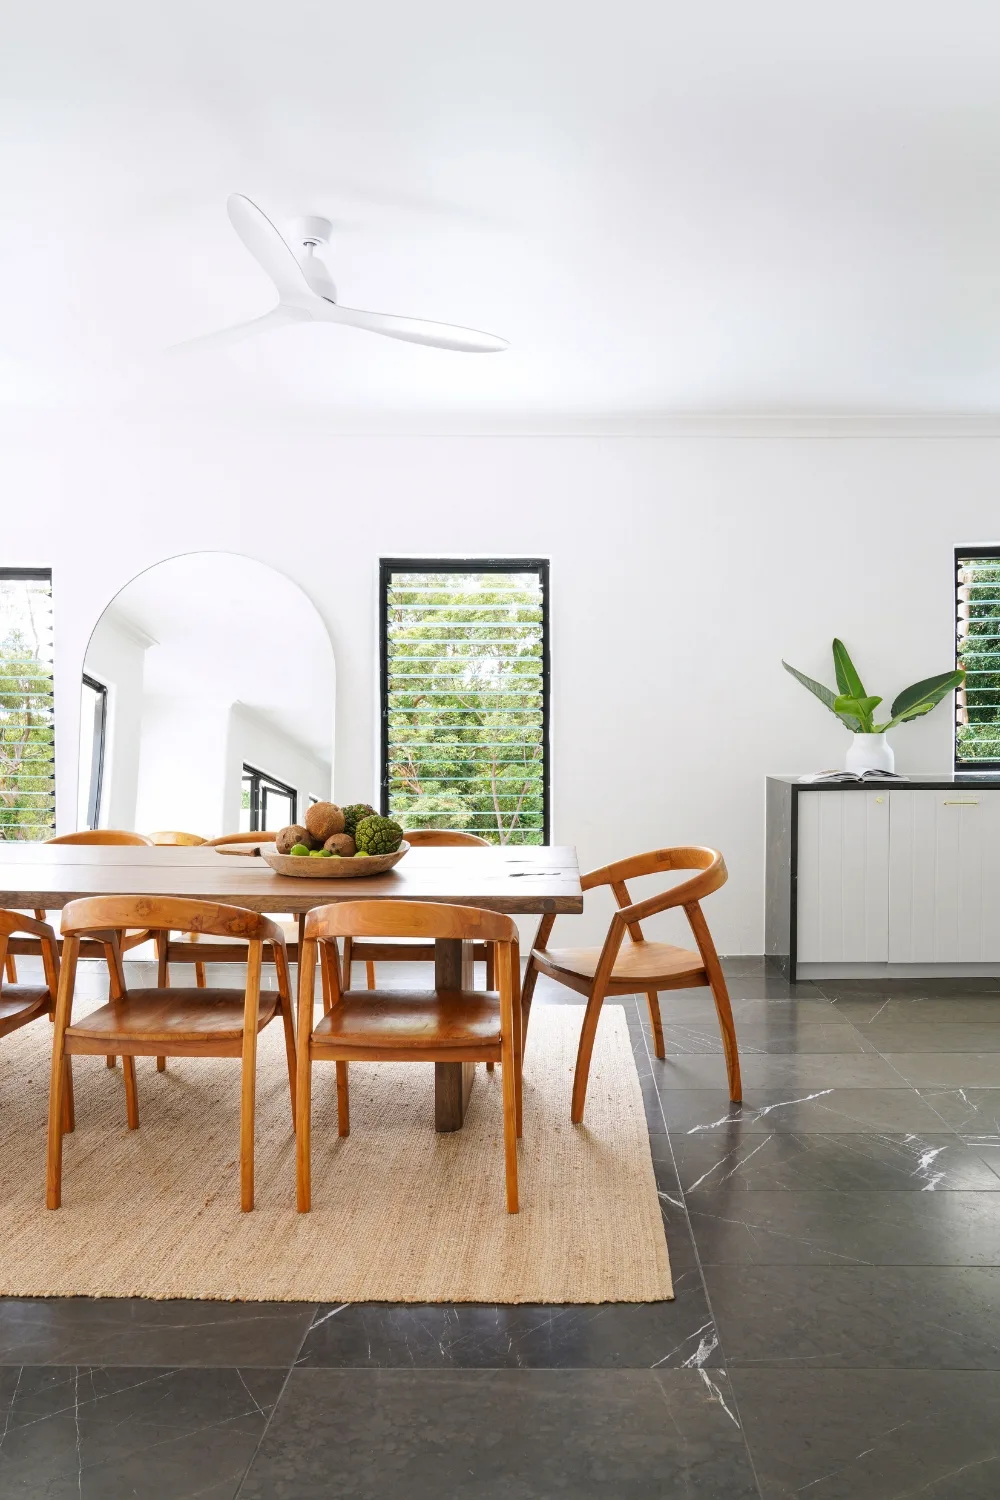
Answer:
(465, 731)
(27, 799)
(977, 734)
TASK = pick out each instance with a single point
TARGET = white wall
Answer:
(116, 656)
(683, 569)
(253, 742)
(182, 765)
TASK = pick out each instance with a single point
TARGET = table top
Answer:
(520, 878)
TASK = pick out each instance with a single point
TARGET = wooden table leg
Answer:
(453, 1082)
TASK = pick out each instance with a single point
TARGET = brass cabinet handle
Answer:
(968, 802)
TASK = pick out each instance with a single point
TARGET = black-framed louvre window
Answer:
(27, 730)
(977, 613)
(465, 696)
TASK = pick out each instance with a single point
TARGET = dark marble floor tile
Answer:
(890, 1037)
(664, 1165)
(886, 1317)
(988, 1148)
(655, 1122)
(827, 1109)
(135, 1331)
(972, 1112)
(695, 1007)
(848, 989)
(609, 1335)
(839, 1163)
(931, 1010)
(781, 1035)
(733, 1227)
(108, 1433)
(869, 1435)
(796, 1071)
(432, 1434)
(770, 987)
(966, 1070)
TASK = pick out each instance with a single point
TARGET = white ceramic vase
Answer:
(869, 752)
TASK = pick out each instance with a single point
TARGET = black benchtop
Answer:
(920, 783)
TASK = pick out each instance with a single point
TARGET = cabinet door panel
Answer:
(944, 876)
(843, 877)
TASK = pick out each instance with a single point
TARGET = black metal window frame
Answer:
(40, 575)
(390, 565)
(97, 758)
(963, 556)
(260, 781)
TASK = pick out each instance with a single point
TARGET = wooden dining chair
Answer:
(627, 963)
(265, 837)
(432, 1025)
(416, 952)
(102, 836)
(21, 1004)
(174, 838)
(167, 1022)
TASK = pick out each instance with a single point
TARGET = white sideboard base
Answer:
(971, 970)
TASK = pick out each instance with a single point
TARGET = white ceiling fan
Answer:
(306, 292)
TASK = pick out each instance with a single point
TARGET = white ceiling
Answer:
(666, 207)
(230, 630)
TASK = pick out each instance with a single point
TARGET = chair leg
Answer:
(490, 1066)
(161, 1064)
(286, 1021)
(248, 1099)
(527, 990)
(724, 1011)
(370, 973)
(110, 1061)
(303, 1122)
(490, 967)
(199, 976)
(343, 1101)
(655, 1020)
(131, 1093)
(10, 968)
(510, 1131)
(69, 1107)
(57, 1106)
(591, 1016)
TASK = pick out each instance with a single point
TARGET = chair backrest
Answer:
(449, 838)
(688, 894)
(243, 838)
(101, 836)
(175, 837)
(165, 914)
(426, 919)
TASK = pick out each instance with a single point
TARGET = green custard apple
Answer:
(354, 814)
(375, 835)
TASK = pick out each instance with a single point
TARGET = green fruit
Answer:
(378, 835)
(315, 853)
(354, 812)
(361, 854)
(299, 849)
(326, 854)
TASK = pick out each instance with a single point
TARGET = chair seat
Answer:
(176, 1015)
(20, 1003)
(638, 965)
(415, 1020)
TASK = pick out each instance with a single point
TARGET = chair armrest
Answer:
(15, 921)
(685, 894)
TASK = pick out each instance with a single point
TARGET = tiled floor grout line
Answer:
(697, 1254)
(277, 1400)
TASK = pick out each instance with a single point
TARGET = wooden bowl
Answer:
(332, 869)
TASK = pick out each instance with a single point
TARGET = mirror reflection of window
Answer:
(266, 802)
(93, 731)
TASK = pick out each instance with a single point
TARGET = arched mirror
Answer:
(208, 702)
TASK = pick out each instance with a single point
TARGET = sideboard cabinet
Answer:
(888, 878)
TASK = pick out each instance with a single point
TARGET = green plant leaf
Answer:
(848, 681)
(824, 694)
(923, 696)
(860, 708)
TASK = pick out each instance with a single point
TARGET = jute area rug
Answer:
(399, 1213)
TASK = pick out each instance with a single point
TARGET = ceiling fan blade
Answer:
(268, 249)
(412, 330)
(278, 317)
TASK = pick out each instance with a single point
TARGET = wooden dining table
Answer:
(519, 879)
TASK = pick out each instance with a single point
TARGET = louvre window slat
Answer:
(27, 733)
(465, 697)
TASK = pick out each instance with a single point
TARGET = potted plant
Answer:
(870, 751)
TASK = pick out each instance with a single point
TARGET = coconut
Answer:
(324, 819)
(293, 834)
(341, 843)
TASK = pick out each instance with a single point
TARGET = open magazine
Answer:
(850, 776)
